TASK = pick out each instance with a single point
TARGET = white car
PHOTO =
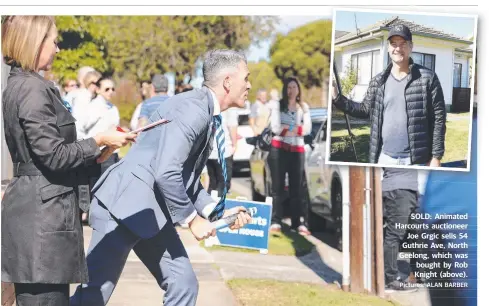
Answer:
(241, 158)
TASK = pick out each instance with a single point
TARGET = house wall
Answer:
(444, 60)
(443, 66)
(343, 58)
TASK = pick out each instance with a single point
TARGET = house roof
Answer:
(338, 33)
(465, 50)
(416, 29)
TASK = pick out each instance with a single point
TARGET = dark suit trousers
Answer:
(216, 179)
(164, 255)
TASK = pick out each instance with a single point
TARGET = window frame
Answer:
(355, 66)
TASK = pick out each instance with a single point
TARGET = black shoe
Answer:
(400, 286)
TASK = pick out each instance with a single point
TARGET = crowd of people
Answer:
(64, 140)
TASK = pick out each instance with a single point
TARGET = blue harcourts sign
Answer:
(252, 236)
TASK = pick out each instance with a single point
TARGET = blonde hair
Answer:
(91, 77)
(22, 38)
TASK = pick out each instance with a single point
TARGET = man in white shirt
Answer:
(260, 113)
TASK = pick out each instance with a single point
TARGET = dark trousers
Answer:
(282, 162)
(216, 179)
(42, 294)
(398, 206)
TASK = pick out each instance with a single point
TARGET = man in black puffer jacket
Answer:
(406, 107)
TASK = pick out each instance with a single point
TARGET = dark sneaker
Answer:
(400, 286)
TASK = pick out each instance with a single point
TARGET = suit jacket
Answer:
(159, 178)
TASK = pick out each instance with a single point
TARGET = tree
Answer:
(144, 45)
(305, 52)
(348, 81)
(81, 44)
(262, 76)
(137, 47)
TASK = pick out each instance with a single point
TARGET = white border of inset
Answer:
(330, 113)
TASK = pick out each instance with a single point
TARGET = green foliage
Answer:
(133, 48)
(349, 81)
(81, 44)
(304, 52)
(126, 99)
(136, 47)
(262, 76)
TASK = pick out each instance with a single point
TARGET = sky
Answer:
(459, 26)
(286, 23)
(256, 53)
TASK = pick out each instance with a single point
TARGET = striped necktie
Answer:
(67, 105)
(220, 140)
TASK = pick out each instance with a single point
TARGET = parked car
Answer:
(322, 183)
(241, 158)
(325, 191)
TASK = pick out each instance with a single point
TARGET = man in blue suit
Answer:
(138, 200)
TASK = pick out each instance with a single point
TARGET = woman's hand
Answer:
(106, 153)
(114, 139)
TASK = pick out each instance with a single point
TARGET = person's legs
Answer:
(219, 178)
(106, 256)
(397, 208)
(165, 257)
(42, 294)
(385, 159)
(278, 181)
(295, 167)
(229, 171)
(213, 170)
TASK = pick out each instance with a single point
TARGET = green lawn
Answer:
(456, 140)
(286, 243)
(255, 292)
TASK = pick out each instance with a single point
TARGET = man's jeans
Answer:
(385, 159)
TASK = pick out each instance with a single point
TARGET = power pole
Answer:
(366, 231)
(357, 200)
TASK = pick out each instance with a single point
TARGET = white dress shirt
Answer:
(210, 207)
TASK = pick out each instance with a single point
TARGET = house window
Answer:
(457, 75)
(427, 60)
(366, 65)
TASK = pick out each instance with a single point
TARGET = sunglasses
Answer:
(109, 88)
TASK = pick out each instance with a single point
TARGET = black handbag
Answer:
(265, 139)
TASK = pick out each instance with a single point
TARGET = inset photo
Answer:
(401, 91)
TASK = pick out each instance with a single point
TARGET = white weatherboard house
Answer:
(448, 55)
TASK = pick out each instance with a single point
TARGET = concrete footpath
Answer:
(138, 287)
(324, 265)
